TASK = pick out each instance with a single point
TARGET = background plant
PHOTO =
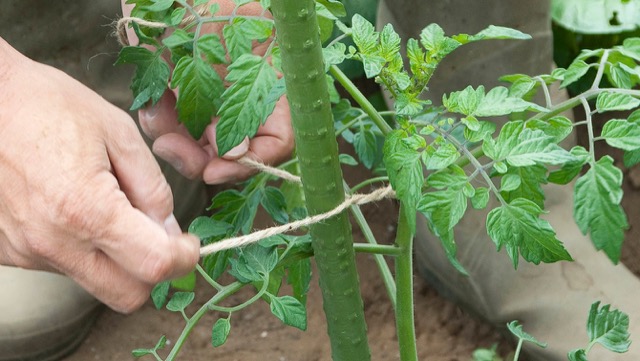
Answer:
(467, 160)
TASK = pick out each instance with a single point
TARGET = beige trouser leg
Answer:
(45, 316)
(551, 300)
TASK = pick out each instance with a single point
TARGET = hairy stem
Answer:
(317, 149)
(405, 323)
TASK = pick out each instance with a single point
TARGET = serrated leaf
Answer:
(405, 172)
(516, 329)
(260, 259)
(246, 102)
(178, 37)
(159, 294)
(290, 311)
(518, 228)
(558, 127)
(529, 184)
(440, 157)
(571, 169)
(366, 146)
(608, 101)
(199, 88)
(336, 7)
(364, 35)
(236, 40)
(443, 210)
(274, 203)
(180, 300)
(389, 43)
(620, 133)
(520, 147)
(597, 209)
(485, 130)
(151, 76)
(610, 328)
(436, 43)
(574, 72)
(481, 198)
(206, 228)
(212, 48)
(334, 54)
(372, 64)
(499, 32)
(578, 355)
(220, 332)
(299, 277)
(452, 177)
(498, 102)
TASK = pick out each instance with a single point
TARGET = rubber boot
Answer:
(552, 301)
(46, 316)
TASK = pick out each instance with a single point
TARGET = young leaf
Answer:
(498, 32)
(574, 72)
(436, 43)
(290, 311)
(578, 355)
(180, 301)
(444, 209)
(220, 332)
(597, 209)
(622, 134)
(364, 34)
(480, 198)
(440, 157)
(245, 105)
(205, 228)
(159, 294)
(151, 77)
(608, 101)
(524, 147)
(199, 88)
(558, 127)
(610, 328)
(405, 171)
(486, 354)
(516, 329)
(517, 226)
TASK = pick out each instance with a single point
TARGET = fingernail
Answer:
(151, 111)
(171, 158)
(171, 226)
(238, 151)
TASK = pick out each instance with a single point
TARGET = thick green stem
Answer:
(404, 297)
(317, 149)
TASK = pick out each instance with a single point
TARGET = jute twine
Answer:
(122, 24)
(354, 199)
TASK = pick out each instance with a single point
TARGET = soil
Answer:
(446, 331)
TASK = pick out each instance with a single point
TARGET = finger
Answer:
(234, 153)
(160, 118)
(143, 248)
(183, 153)
(136, 170)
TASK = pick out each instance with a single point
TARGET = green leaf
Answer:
(205, 228)
(631, 158)
(499, 32)
(451, 177)
(160, 5)
(177, 15)
(498, 102)
(146, 351)
(245, 105)
(510, 182)
(159, 294)
(486, 354)
(574, 72)
(518, 228)
(334, 54)
(256, 261)
(578, 355)
(615, 101)
(571, 169)
(372, 64)
(200, 87)
(237, 208)
(366, 146)
(528, 185)
(220, 332)
(558, 127)
(597, 207)
(290, 311)
(185, 283)
(389, 43)
(436, 43)
(299, 277)
(516, 329)
(151, 76)
(620, 133)
(364, 34)
(444, 209)
(178, 37)
(212, 48)
(236, 40)
(274, 203)
(347, 160)
(524, 147)
(610, 328)
(336, 7)
(596, 17)
(481, 198)
(405, 172)
(440, 157)
(180, 301)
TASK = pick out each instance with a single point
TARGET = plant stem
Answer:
(378, 249)
(260, 293)
(368, 182)
(193, 321)
(516, 355)
(360, 99)
(404, 297)
(317, 149)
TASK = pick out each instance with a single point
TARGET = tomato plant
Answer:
(439, 160)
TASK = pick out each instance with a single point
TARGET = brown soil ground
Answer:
(444, 331)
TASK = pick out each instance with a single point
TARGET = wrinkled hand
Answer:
(80, 193)
(272, 144)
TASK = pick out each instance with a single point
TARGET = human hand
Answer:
(193, 158)
(80, 193)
